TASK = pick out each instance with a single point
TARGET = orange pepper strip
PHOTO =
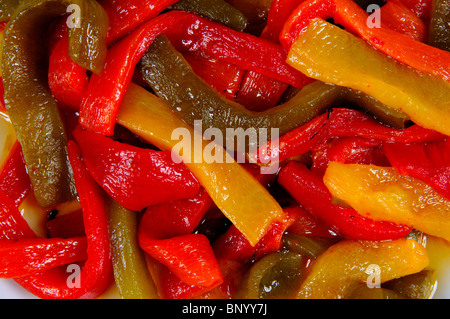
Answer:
(382, 193)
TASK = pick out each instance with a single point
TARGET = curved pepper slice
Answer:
(383, 194)
(67, 80)
(100, 106)
(165, 233)
(130, 268)
(14, 180)
(423, 97)
(430, 163)
(347, 262)
(28, 256)
(236, 193)
(31, 106)
(339, 123)
(347, 13)
(309, 190)
(97, 272)
(133, 176)
(12, 225)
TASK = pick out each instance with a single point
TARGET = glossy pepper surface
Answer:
(322, 46)
(384, 194)
(133, 176)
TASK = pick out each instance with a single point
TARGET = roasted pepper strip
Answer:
(28, 256)
(133, 176)
(347, 262)
(216, 10)
(237, 194)
(67, 80)
(14, 180)
(347, 13)
(193, 99)
(97, 272)
(130, 268)
(126, 15)
(12, 225)
(384, 194)
(30, 104)
(340, 122)
(430, 163)
(423, 97)
(100, 106)
(310, 192)
(439, 26)
(7, 8)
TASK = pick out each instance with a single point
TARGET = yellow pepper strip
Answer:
(349, 262)
(383, 194)
(327, 53)
(241, 198)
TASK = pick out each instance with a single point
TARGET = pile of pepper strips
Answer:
(93, 108)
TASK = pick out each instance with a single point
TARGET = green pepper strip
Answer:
(216, 10)
(131, 274)
(7, 8)
(192, 99)
(30, 104)
(439, 36)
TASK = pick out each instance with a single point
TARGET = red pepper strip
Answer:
(14, 180)
(66, 226)
(97, 273)
(126, 15)
(396, 16)
(279, 12)
(429, 162)
(225, 78)
(67, 80)
(341, 122)
(28, 256)
(187, 32)
(259, 92)
(2, 100)
(12, 225)
(293, 143)
(422, 8)
(349, 150)
(165, 233)
(136, 178)
(235, 247)
(308, 225)
(348, 14)
(344, 122)
(310, 192)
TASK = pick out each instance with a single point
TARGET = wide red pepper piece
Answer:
(14, 180)
(67, 80)
(347, 13)
(165, 233)
(135, 177)
(97, 272)
(187, 32)
(429, 162)
(309, 191)
(125, 15)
